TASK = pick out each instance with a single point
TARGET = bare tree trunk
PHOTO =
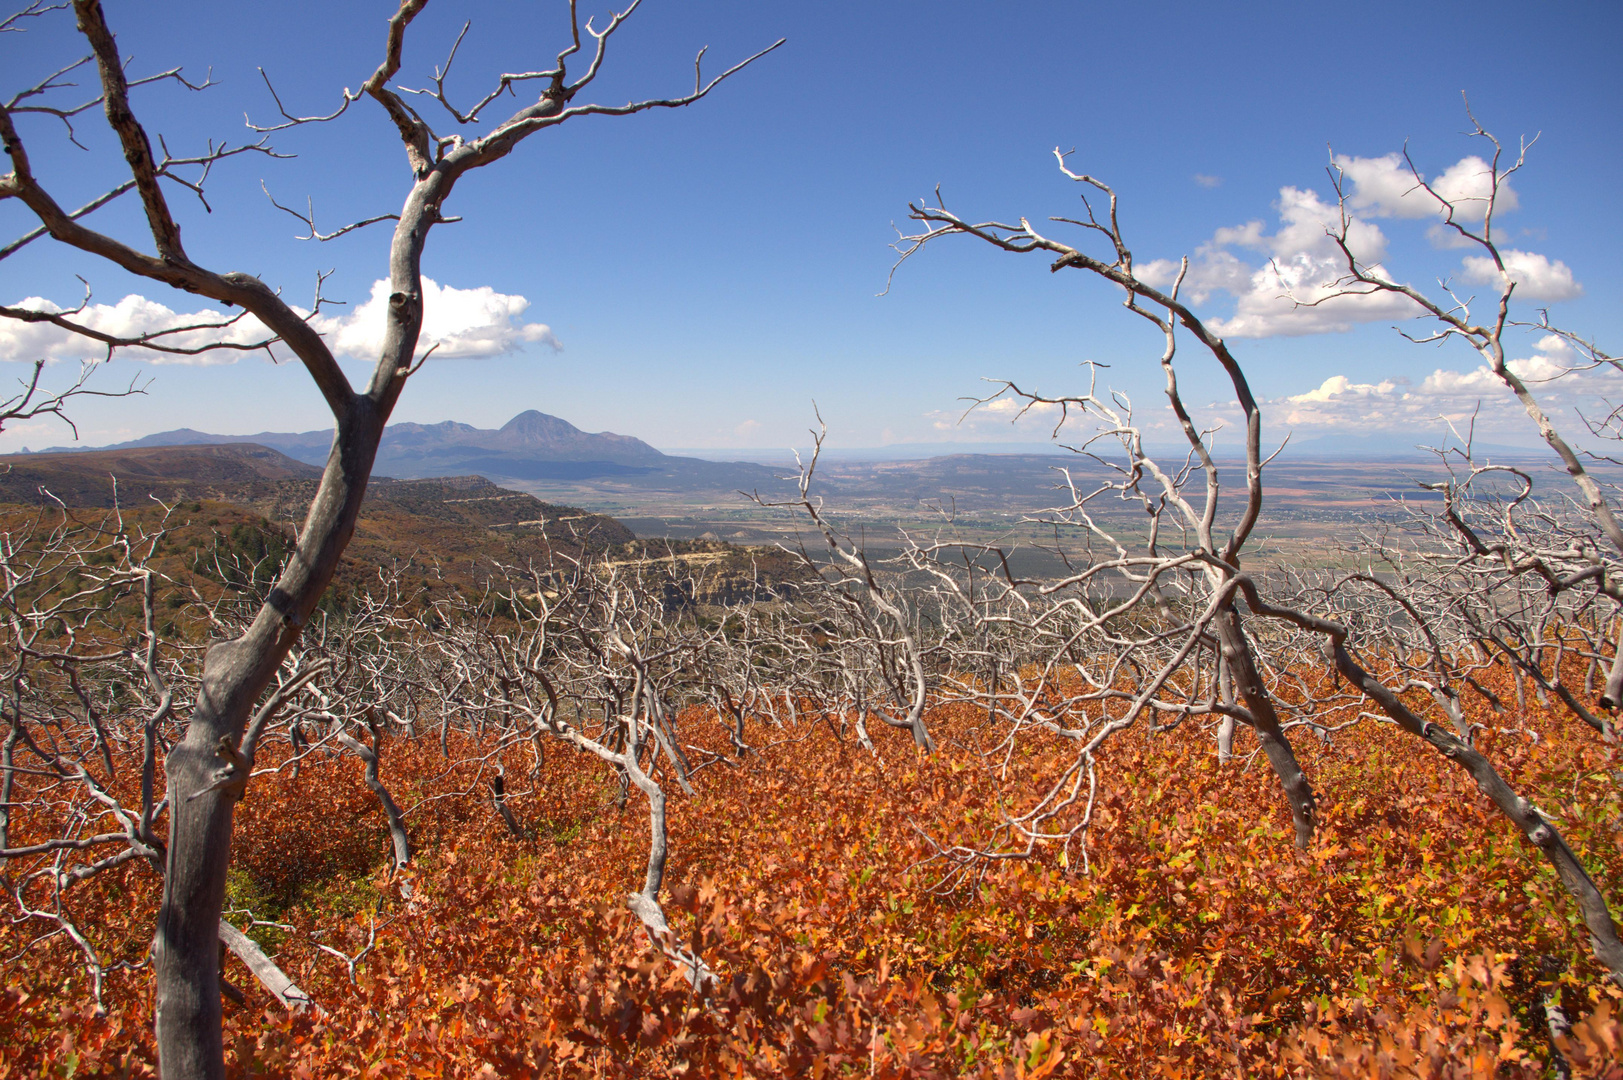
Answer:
(1571, 702)
(208, 769)
(1556, 1023)
(645, 904)
(1612, 698)
(8, 772)
(735, 730)
(202, 768)
(498, 799)
(862, 725)
(1264, 720)
(373, 757)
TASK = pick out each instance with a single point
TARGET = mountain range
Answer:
(557, 462)
(532, 446)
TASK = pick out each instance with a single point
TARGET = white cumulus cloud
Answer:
(462, 322)
(1300, 289)
(477, 322)
(133, 316)
(1296, 291)
(1535, 275)
(1386, 187)
(1553, 372)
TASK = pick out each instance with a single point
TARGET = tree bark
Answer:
(498, 799)
(270, 976)
(1264, 720)
(235, 674)
(373, 757)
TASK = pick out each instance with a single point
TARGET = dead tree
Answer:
(1506, 573)
(204, 776)
(81, 710)
(30, 400)
(866, 610)
(587, 654)
(1202, 559)
(1255, 641)
(1566, 544)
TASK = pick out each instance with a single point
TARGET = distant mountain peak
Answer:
(531, 446)
(532, 431)
(533, 426)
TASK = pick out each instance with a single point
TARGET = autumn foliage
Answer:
(1415, 938)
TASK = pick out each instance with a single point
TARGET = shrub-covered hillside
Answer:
(1186, 937)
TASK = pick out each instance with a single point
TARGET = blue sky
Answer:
(707, 273)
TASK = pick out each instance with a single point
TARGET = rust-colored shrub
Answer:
(1405, 943)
